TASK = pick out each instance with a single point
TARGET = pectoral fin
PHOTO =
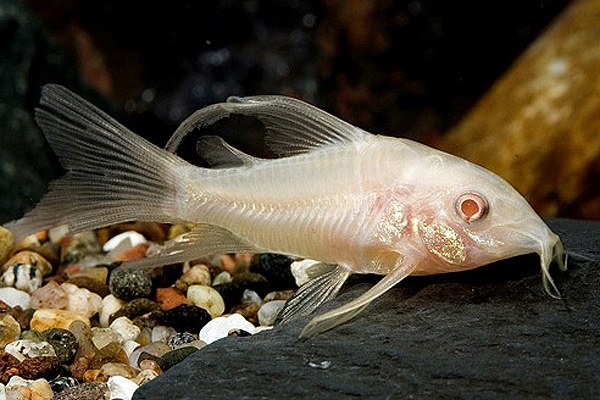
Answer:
(326, 283)
(346, 312)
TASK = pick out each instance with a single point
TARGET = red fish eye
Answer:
(471, 207)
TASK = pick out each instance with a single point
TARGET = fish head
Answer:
(468, 217)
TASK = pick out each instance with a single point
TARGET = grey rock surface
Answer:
(490, 333)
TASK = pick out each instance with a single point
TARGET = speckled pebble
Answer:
(180, 339)
(268, 312)
(9, 330)
(85, 391)
(64, 343)
(130, 283)
(24, 277)
(219, 327)
(6, 244)
(186, 318)
(18, 388)
(44, 319)
(174, 357)
(206, 297)
(15, 297)
(62, 382)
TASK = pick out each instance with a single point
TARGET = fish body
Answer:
(357, 202)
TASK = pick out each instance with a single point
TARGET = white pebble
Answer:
(129, 346)
(299, 270)
(220, 327)
(162, 333)
(126, 328)
(110, 305)
(221, 278)
(102, 337)
(251, 295)
(121, 387)
(267, 314)
(126, 240)
(22, 349)
(206, 297)
(14, 297)
(81, 301)
(17, 388)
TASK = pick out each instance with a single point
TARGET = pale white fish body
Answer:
(357, 202)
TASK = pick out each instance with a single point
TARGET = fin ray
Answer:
(112, 175)
(349, 310)
(220, 154)
(315, 292)
(201, 241)
(292, 126)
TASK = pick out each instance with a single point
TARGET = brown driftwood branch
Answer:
(539, 125)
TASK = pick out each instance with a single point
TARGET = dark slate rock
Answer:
(488, 333)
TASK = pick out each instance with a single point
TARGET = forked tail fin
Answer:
(113, 175)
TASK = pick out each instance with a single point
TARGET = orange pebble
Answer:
(135, 253)
(169, 298)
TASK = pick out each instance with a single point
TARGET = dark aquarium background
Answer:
(409, 68)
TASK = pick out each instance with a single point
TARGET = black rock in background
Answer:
(488, 333)
(28, 59)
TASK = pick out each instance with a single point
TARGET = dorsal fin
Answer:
(292, 126)
(220, 154)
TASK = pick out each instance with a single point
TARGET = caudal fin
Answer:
(113, 175)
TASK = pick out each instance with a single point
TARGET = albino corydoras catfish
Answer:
(357, 202)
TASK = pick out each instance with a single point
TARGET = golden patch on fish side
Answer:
(356, 202)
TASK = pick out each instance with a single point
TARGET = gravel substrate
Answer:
(77, 324)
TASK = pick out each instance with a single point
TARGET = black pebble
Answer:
(185, 318)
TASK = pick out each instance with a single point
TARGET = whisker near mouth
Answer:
(546, 259)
